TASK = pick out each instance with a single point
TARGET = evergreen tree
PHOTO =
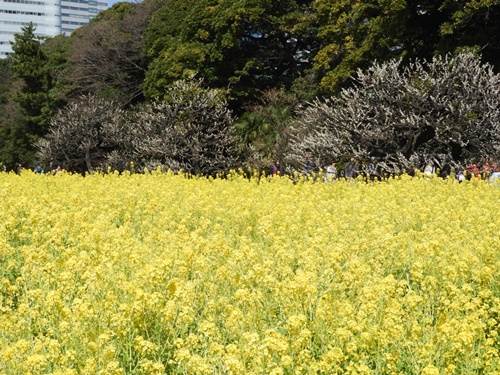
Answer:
(29, 65)
(244, 46)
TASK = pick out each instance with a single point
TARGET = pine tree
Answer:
(29, 65)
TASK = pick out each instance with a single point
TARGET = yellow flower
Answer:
(430, 370)
(161, 272)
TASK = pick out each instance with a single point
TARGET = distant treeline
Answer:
(271, 80)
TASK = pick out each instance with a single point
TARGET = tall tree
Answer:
(105, 55)
(9, 111)
(29, 65)
(245, 46)
(355, 33)
(473, 24)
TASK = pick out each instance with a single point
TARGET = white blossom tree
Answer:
(189, 130)
(402, 115)
(79, 135)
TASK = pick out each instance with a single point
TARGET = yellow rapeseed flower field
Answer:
(162, 274)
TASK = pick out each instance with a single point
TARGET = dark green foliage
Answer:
(472, 24)
(29, 63)
(354, 34)
(244, 46)
(5, 118)
(29, 72)
(265, 128)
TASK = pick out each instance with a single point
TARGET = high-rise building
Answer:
(76, 13)
(50, 17)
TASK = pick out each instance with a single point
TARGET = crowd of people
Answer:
(487, 170)
(443, 168)
(49, 169)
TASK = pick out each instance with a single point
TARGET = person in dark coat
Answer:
(351, 170)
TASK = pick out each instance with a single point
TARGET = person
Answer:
(309, 168)
(19, 169)
(494, 177)
(275, 168)
(473, 170)
(495, 167)
(494, 174)
(351, 170)
(38, 168)
(50, 168)
(446, 170)
(430, 168)
(331, 172)
(373, 169)
(488, 168)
